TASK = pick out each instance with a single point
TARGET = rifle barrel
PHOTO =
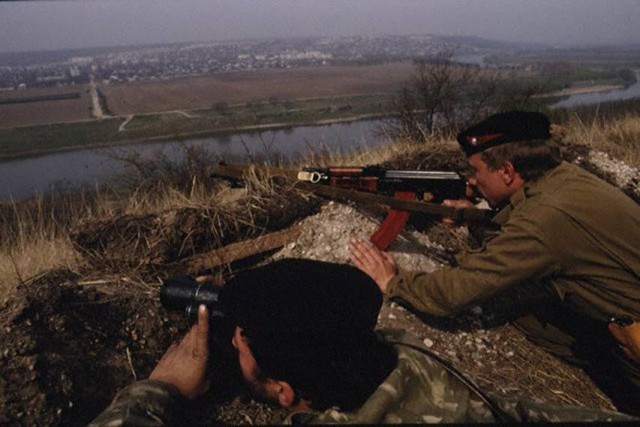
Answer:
(421, 174)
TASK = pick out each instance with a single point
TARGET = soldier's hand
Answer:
(184, 365)
(460, 204)
(629, 339)
(216, 281)
(380, 266)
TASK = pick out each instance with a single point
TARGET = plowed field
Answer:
(206, 91)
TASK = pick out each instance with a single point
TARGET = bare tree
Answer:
(442, 97)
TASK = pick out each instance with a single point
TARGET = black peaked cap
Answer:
(503, 128)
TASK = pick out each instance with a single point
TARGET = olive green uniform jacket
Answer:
(418, 390)
(569, 233)
(569, 229)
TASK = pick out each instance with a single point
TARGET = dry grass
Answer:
(618, 137)
(28, 258)
(34, 236)
(162, 198)
(394, 150)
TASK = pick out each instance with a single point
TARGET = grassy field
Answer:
(22, 141)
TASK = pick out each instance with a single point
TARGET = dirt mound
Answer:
(155, 240)
(70, 345)
(67, 347)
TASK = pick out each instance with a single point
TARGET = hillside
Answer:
(75, 332)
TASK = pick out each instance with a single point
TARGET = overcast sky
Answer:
(83, 23)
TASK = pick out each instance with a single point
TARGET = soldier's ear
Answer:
(286, 394)
(287, 397)
(508, 173)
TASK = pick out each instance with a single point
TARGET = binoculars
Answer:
(185, 294)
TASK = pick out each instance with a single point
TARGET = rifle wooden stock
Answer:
(389, 229)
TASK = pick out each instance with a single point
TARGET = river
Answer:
(23, 178)
(580, 99)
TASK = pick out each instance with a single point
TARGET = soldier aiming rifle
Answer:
(566, 231)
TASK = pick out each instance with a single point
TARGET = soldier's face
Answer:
(262, 386)
(492, 184)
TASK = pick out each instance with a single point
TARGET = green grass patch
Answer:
(25, 140)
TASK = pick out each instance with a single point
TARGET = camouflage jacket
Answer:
(419, 390)
(143, 403)
(569, 229)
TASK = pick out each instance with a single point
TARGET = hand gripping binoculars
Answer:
(185, 294)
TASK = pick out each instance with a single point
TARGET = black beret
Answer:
(503, 128)
(298, 296)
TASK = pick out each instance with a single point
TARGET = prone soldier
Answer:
(561, 228)
(305, 340)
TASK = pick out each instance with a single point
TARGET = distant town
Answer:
(154, 63)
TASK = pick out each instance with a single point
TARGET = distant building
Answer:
(81, 60)
(314, 54)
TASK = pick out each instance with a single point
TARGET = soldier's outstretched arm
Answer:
(180, 374)
(520, 252)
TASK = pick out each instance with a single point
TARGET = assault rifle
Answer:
(427, 185)
(398, 189)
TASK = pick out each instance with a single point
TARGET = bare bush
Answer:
(444, 97)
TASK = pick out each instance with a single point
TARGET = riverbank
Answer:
(193, 135)
(223, 120)
(85, 168)
(581, 90)
(228, 119)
